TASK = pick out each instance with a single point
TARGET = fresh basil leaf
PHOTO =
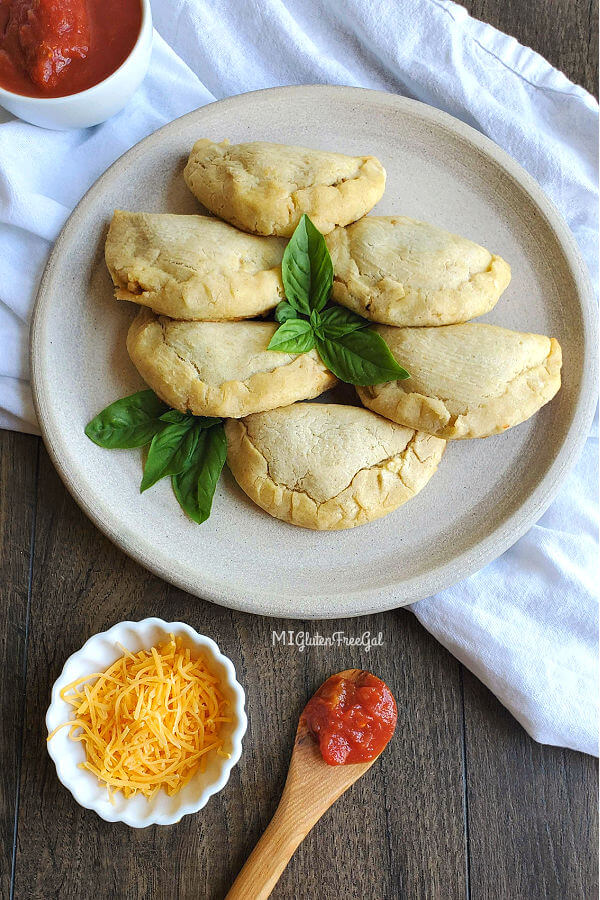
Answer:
(170, 452)
(306, 268)
(130, 422)
(195, 486)
(337, 320)
(174, 416)
(206, 421)
(360, 357)
(316, 323)
(294, 336)
(285, 311)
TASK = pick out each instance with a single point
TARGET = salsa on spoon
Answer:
(342, 730)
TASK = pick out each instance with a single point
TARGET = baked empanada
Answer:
(398, 271)
(327, 467)
(193, 267)
(221, 368)
(466, 381)
(265, 188)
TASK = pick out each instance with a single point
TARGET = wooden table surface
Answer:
(462, 804)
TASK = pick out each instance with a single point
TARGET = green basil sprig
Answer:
(169, 452)
(345, 343)
(307, 270)
(191, 449)
(195, 486)
(127, 423)
(294, 336)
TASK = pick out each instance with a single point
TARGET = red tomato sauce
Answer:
(52, 48)
(352, 720)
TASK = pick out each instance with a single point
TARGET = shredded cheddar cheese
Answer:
(148, 721)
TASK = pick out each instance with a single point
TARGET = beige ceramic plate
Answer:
(486, 493)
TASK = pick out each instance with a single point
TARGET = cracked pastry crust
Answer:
(467, 381)
(265, 188)
(221, 368)
(399, 271)
(193, 267)
(326, 466)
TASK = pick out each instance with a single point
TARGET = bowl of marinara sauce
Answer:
(72, 63)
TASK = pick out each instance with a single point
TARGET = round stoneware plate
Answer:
(486, 493)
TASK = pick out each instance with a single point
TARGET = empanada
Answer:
(398, 271)
(265, 188)
(468, 380)
(221, 368)
(326, 466)
(193, 267)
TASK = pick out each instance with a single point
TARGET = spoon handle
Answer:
(311, 787)
(271, 855)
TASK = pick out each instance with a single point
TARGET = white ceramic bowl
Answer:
(97, 103)
(95, 656)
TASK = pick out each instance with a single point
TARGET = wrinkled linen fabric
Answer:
(526, 625)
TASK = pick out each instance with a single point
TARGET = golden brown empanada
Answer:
(193, 267)
(221, 368)
(265, 188)
(398, 271)
(326, 466)
(468, 380)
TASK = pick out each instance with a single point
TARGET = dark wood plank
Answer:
(399, 832)
(565, 32)
(533, 819)
(18, 461)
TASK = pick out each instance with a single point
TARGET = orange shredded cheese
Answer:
(149, 721)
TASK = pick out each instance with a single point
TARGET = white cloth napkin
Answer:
(526, 624)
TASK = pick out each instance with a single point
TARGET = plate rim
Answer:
(368, 600)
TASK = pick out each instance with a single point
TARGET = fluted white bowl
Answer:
(96, 104)
(99, 652)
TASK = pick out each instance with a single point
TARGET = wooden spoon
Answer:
(310, 789)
